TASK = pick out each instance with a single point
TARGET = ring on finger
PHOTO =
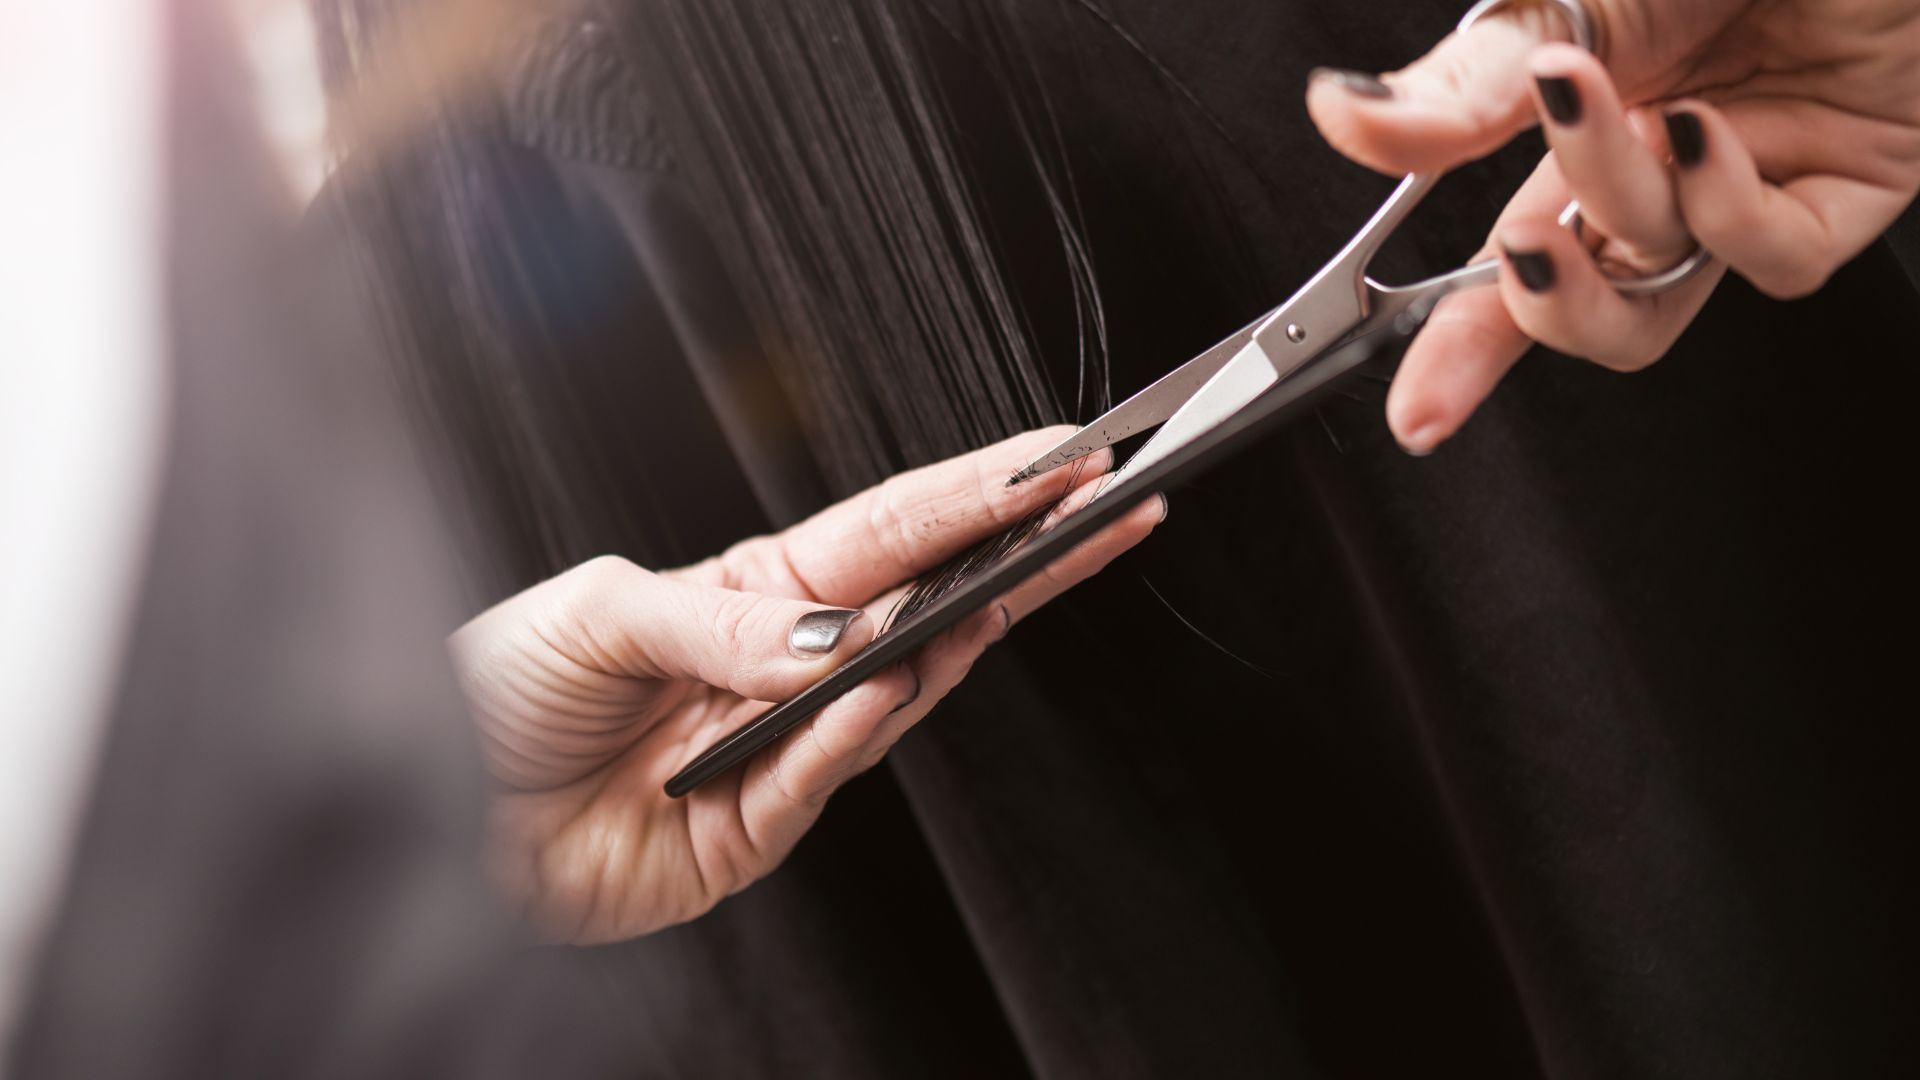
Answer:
(1645, 284)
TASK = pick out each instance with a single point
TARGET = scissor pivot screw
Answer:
(1296, 333)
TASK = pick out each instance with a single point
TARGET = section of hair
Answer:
(851, 163)
(825, 153)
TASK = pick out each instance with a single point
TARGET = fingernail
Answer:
(1421, 440)
(1561, 98)
(913, 695)
(1163, 507)
(1533, 268)
(1006, 622)
(1357, 83)
(818, 632)
(1687, 138)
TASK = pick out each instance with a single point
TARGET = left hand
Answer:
(1793, 131)
(591, 689)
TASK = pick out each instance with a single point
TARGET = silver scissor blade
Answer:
(1238, 382)
(1145, 409)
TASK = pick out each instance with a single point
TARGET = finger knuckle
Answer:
(779, 780)
(736, 617)
(592, 591)
(1720, 222)
(892, 523)
(988, 486)
(884, 739)
(1450, 69)
(605, 571)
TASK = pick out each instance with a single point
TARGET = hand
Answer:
(1793, 129)
(591, 689)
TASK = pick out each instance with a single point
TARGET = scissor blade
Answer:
(1145, 409)
(1239, 381)
(1255, 374)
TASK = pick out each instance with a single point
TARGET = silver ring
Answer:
(1580, 32)
(1647, 284)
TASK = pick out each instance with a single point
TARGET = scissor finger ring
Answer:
(1580, 31)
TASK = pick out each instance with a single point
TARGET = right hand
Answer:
(1800, 126)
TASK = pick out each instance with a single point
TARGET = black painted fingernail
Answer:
(913, 695)
(1561, 98)
(1687, 137)
(818, 632)
(1357, 83)
(1533, 268)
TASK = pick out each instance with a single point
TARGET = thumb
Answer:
(1461, 101)
(639, 624)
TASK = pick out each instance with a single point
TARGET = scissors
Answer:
(1206, 409)
(1337, 305)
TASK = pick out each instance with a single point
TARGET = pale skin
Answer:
(591, 689)
(1808, 116)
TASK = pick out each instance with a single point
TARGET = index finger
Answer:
(858, 548)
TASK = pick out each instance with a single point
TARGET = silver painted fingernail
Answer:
(819, 632)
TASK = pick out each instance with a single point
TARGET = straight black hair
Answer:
(889, 270)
